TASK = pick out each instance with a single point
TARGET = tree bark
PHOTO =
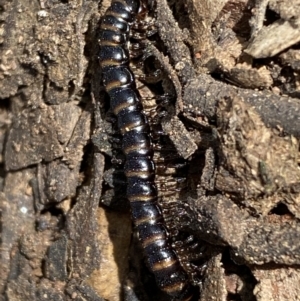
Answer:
(66, 231)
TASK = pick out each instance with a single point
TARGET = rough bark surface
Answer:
(235, 122)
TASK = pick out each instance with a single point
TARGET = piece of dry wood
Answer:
(203, 94)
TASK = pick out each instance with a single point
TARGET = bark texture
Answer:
(232, 69)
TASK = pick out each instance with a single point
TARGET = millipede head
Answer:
(132, 5)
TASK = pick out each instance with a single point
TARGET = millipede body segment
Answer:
(125, 103)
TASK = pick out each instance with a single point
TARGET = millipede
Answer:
(139, 168)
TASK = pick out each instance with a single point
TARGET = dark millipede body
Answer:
(125, 103)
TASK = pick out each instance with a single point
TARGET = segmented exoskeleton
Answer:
(119, 83)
